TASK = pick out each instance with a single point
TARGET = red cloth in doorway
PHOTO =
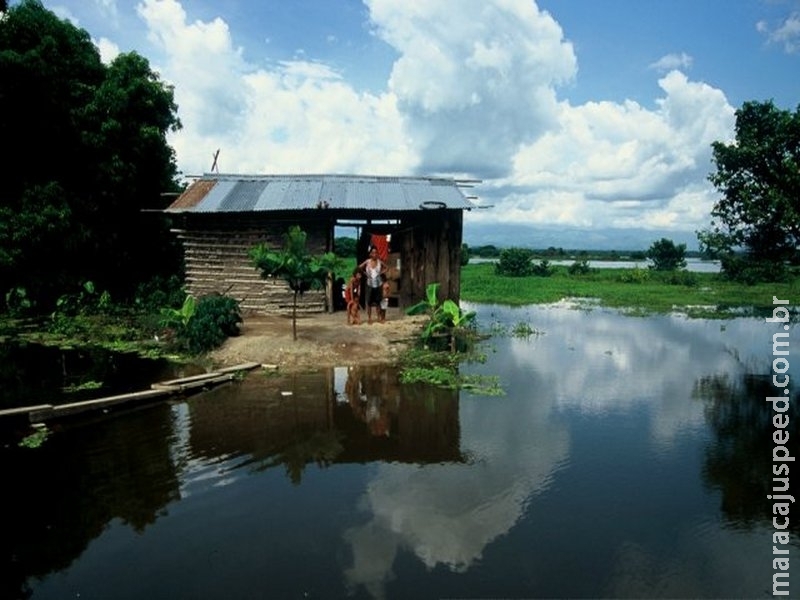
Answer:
(381, 243)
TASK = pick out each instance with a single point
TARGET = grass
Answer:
(636, 290)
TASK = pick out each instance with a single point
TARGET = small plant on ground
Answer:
(299, 269)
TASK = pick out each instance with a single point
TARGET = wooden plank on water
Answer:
(44, 412)
(184, 380)
(63, 410)
(21, 410)
(187, 382)
(249, 366)
(197, 383)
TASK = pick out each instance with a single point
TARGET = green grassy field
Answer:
(638, 290)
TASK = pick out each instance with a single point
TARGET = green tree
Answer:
(301, 270)
(515, 262)
(130, 115)
(345, 247)
(666, 255)
(86, 151)
(758, 176)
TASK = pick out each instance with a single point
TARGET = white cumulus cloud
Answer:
(475, 79)
(620, 164)
(292, 117)
(474, 91)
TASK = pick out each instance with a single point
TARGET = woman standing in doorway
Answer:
(373, 268)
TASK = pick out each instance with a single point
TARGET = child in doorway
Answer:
(352, 294)
(384, 298)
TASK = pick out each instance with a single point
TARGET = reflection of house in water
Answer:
(358, 414)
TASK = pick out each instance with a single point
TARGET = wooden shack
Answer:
(415, 221)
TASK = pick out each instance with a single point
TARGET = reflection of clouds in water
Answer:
(596, 363)
(602, 360)
(447, 514)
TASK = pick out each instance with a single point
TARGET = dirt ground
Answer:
(323, 340)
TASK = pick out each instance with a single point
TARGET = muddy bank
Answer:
(323, 340)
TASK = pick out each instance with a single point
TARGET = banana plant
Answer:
(445, 318)
(178, 318)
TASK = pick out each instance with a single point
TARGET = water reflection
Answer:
(35, 374)
(738, 459)
(631, 451)
(62, 496)
(314, 418)
(131, 470)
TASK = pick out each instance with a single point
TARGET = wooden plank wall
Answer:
(217, 261)
(431, 253)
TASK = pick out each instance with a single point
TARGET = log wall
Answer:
(216, 260)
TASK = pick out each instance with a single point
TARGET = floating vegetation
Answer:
(519, 330)
(36, 439)
(524, 330)
(442, 369)
(86, 385)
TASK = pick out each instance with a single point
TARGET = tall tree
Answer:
(126, 125)
(758, 176)
(86, 149)
(48, 70)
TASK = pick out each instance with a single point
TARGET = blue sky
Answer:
(589, 122)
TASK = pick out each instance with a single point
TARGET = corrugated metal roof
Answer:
(244, 193)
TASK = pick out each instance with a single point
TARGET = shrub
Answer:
(635, 275)
(579, 267)
(215, 319)
(515, 262)
(747, 270)
(18, 302)
(686, 278)
(543, 269)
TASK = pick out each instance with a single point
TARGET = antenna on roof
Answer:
(214, 164)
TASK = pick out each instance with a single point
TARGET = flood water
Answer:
(694, 265)
(629, 457)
